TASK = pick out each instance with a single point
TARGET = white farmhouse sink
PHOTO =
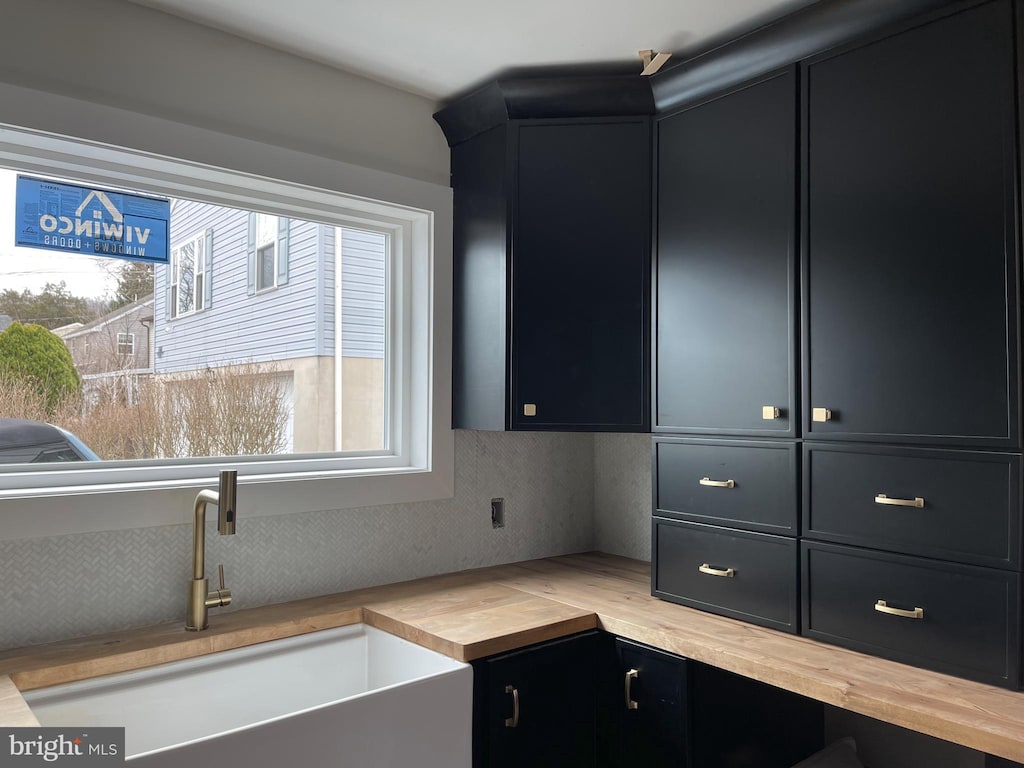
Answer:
(353, 696)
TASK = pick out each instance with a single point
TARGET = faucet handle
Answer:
(219, 597)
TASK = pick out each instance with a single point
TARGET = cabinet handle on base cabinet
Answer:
(770, 412)
(717, 483)
(631, 675)
(821, 414)
(513, 722)
(882, 607)
(726, 572)
(917, 501)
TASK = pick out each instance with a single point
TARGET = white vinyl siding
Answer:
(238, 327)
(363, 289)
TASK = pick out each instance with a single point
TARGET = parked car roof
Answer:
(23, 441)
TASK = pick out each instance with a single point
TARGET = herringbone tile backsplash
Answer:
(70, 586)
(622, 495)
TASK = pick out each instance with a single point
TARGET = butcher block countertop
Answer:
(478, 613)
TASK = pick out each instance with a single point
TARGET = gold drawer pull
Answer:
(513, 722)
(726, 572)
(821, 414)
(917, 501)
(770, 412)
(882, 607)
(717, 483)
(630, 677)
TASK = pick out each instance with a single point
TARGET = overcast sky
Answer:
(32, 268)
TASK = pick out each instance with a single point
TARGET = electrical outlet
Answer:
(497, 513)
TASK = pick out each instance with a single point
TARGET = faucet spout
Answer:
(200, 599)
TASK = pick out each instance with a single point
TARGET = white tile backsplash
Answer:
(622, 495)
(69, 586)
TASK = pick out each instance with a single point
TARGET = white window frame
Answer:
(420, 465)
(128, 342)
(173, 271)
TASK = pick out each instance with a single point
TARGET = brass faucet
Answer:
(200, 600)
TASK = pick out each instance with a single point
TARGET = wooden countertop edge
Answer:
(14, 712)
(473, 614)
(136, 649)
(877, 701)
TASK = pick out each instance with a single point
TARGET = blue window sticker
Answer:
(97, 222)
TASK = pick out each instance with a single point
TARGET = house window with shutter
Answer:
(268, 252)
(189, 288)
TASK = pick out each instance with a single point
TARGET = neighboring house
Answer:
(246, 288)
(112, 351)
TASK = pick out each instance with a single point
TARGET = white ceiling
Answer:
(438, 48)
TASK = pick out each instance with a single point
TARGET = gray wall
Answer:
(123, 55)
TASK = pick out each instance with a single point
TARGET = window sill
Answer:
(46, 512)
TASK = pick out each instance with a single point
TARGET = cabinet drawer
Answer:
(952, 505)
(953, 618)
(745, 484)
(748, 576)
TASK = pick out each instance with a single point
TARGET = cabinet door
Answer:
(580, 275)
(725, 347)
(537, 707)
(645, 712)
(909, 241)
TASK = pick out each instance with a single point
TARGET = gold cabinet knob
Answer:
(529, 409)
(770, 412)
(821, 414)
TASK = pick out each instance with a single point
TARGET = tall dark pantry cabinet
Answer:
(725, 520)
(837, 385)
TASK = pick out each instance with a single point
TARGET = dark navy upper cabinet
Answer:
(909, 236)
(580, 275)
(725, 347)
(552, 275)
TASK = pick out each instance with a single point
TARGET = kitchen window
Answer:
(355, 246)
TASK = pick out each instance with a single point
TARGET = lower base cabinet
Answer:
(537, 706)
(596, 701)
(645, 705)
(672, 711)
